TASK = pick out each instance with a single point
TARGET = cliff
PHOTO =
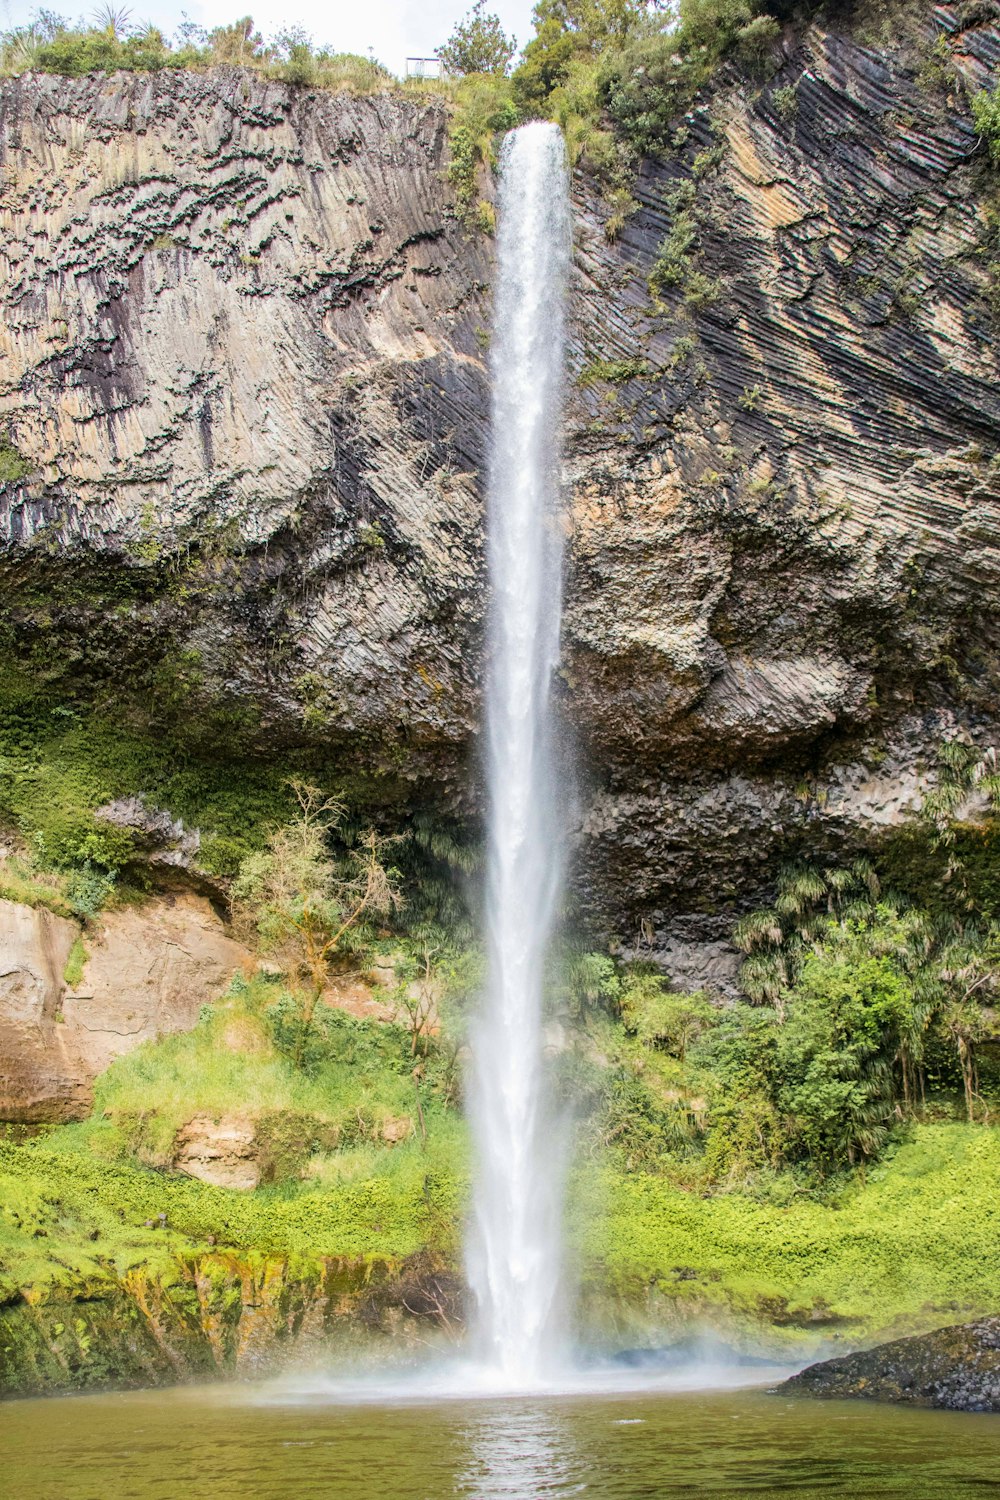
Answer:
(244, 393)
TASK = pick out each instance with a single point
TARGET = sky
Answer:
(394, 29)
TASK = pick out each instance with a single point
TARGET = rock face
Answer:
(41, 1073)
(222, 1152)
(148, 972)
(220, 1315)
(151, 970)
(243, 367)
(958, 1368)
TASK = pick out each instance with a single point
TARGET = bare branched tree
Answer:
(301, 905)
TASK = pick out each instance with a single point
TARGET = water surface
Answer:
(225, 1443)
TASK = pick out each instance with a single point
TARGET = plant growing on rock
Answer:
(303, 906)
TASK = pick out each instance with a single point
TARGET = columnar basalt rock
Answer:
(244, 370)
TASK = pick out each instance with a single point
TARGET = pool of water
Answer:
(242, 1443)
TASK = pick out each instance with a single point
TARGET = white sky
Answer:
(395, 29)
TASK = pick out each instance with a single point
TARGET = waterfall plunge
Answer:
(514, 1258)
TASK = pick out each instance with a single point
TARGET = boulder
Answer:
(221, 1152)
(956, 1367)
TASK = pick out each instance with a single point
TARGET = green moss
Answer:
(75, 963)
(19, 883)
(915, 1244)
(61, 761)
(911, 863)
(13, 466)
(615, 371)
(73, 1224)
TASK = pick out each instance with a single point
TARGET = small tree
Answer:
(478, 44)
(238, 43)
(304, 907)
(970, 979)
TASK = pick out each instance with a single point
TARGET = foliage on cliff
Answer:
(51, 44)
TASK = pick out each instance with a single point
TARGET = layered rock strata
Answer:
(244, 394)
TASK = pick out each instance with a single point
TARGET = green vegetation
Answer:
(341, 1108)
(306, 908)
(60, 761)
(614, 371)
(12, 465)
(915, 1244)
(75, 963)
(986, 117)
(820, 1154)
(51, 44)
(478, 44)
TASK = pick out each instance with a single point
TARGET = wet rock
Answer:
(957, 1368)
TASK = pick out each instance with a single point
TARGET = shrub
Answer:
(986, 116)
(484, 110)
(659, 1017)
(847, 1016)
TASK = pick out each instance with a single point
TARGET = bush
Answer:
(846, 1018)
(51, 45)
(660, 1018)
(986, 116)
(484, 110)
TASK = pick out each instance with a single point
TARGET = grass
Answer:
(21, 883)
(359, 1081)
(915, 1245)
(75, 963)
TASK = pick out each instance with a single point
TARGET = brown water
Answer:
(225, 1444)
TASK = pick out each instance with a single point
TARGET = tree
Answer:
(238, 43)
(847, 1015)
(478, 44)
(970, 976)
(302, 906)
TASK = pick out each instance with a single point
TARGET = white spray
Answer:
(514, 1258)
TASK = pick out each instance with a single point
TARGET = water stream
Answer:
(513, 1259)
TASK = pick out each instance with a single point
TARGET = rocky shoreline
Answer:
(955, 1368)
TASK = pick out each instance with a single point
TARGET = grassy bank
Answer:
(916, 1244)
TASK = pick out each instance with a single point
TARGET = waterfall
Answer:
(514, 1257)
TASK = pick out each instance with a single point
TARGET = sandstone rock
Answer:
(396, 1129)
(42, 1076)
(222, 1152)
(149, 972)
